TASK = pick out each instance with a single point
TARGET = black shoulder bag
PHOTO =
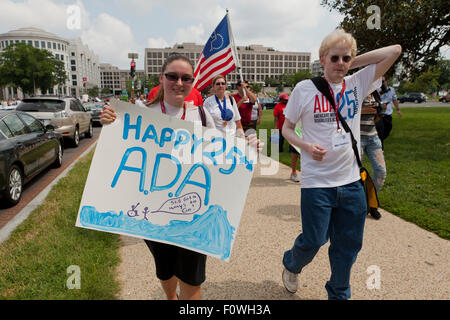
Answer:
(369, 188)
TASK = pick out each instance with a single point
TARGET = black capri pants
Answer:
(187, 265)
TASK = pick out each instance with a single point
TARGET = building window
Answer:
(36, 44)
(54, 46)
(73, 68)
(74, 83)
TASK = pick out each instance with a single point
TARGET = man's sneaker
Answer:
(290, 280)
(375, 213)
(294, 177)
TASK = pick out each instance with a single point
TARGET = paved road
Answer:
(399, 260)
(38, 183)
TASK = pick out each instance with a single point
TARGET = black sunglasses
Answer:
(172, 76)
(335, 59)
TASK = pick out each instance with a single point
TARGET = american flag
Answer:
(217, 56)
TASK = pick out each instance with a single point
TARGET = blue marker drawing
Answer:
(210, 232)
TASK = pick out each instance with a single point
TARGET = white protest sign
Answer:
(160, 178)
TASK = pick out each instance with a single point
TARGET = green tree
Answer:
(93, 92)
(426, 82)
(256, 87)
(291, 79)
(419, 26)
(444, 79)
(28, 68)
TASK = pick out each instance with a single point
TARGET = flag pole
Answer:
(233, 47)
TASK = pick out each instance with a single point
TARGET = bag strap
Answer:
(202, 115)
(322, 85)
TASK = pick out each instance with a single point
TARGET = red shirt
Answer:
(278, 111)
(194, 96)
(245, 109)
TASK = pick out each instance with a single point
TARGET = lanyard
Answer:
(163, 109)
(336, 103)
(222, 110)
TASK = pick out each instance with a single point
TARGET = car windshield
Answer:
(41, 105)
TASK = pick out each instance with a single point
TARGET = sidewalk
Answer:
(414, 263)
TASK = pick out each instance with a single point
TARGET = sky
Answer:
(114, 28)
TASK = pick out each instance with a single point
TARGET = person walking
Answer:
(223, 108)
(371, 146)
(175, 265)
(333, 203)
(278, 115)
(388, 98)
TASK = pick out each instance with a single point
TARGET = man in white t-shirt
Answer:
(333, 204)
(388, 97)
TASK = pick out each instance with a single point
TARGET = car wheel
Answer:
(90, 131)
(59, 156)
(416, 101)
(76, 138)
(14, 186)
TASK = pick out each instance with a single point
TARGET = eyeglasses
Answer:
(172, 76)
(220, 83)
(345, 59)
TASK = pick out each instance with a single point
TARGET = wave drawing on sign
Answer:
(210, 232)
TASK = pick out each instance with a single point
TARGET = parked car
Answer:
(26, 148)
(445, 98)
(96, 110)
(413, 97)
(66, 115)
(268, 103)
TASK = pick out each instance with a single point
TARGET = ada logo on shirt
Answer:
(348, 107)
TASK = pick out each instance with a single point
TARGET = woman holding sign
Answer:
(223, 108)
(175, 264)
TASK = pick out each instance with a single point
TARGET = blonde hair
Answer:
(338, 36)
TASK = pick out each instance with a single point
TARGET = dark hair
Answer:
(240, 82)
(171, 58)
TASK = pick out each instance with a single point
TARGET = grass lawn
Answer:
(417, 160)
(34, 261)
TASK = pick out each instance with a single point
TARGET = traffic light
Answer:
(84, 84)
(132, 68)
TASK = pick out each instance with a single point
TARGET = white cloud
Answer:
(112, 40)
(190, 34)
(157, 43)
(44, 14)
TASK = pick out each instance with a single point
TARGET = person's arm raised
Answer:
(384, 58)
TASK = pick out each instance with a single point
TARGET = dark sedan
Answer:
(26, 148)
(415, 97)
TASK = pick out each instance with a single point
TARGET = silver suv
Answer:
(67, 115)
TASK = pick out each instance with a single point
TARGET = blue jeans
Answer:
(371, 145)
(337, 214)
